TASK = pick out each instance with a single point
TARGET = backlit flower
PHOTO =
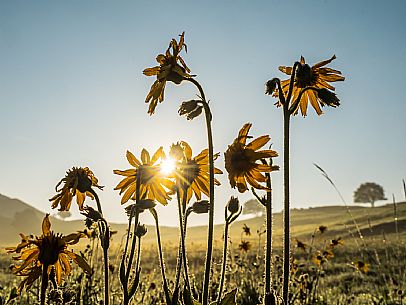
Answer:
(49, 250)
(171, 67)
(154, 184)
(241, 161)
(317, 76)
(77, 182)
(193, 173)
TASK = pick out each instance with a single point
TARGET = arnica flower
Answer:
(336, 242)
(241, 161)
(322, 229)
(171, 67)
(193, 173)
(245, 246)
(49, 250)
(301, 245)
(77, 182)
(361, 266)
(246, 230)
(153, 184)
(317, 76)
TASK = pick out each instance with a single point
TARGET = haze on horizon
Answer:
(72, 92)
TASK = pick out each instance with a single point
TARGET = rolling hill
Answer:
(17, 216)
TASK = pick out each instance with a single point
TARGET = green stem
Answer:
(268, 249)
(161, 259)
(208, 262)
(44, 283)
(223, 267)
(286, 214)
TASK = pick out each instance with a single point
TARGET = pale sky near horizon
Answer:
(72, 91)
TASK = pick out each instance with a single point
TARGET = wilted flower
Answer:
(141, 206)
(152, 181)
(48, 250)
(240, 161)
(270, 86)
(316, 76)
(92, 214)
(233, 205)
(191, 109)
(193, 173)
(245, 246)
(77, 182)
(171, 68)
(328, 254)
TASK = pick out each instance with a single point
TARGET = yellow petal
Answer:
(132, 159)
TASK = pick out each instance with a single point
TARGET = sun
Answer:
(167, 165)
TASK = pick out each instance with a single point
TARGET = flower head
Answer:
(245, 246)
(171, 67)
(49, 250)
(153, 184)
(246, 230)
(317, 76)
(78, 182)
(240, 159)
(361, 266)
(301, 245)
(193, 173)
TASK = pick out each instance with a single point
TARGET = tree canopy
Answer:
(369, 192)
(252, 206)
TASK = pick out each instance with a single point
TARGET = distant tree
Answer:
(252, 206)
(64, 214)
(369, 192)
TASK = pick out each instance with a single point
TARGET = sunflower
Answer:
(152, 181)
(361, 266)
(240, 161)
(46, 251)
(78, 182)
(316, 76)
(168, 70)
(193, 173)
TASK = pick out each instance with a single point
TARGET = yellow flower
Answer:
(171, 67)
(193, 173)
(316, 76)
(152, 180)
(49, 251)
(361, 266)
(240, 160)
(78, 182)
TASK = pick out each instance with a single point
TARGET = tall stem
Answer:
(208, 116)
(44, 283)
(286, 214)
(223, 267)
(268, 249)
(161, 259)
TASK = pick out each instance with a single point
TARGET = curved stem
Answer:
(286, 214)
(132, 251)
(99, 208)
(44, 283)
(208, 115)
(292, 81)
(223, 267)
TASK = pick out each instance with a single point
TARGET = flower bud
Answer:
(141, 230)
(233, 205)
(201, 207)
(270, 86)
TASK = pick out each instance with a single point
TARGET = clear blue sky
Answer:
(72, 91)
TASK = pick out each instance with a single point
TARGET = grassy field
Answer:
(368, 270)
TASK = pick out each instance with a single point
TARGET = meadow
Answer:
(335, 279)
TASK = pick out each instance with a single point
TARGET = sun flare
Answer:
(168, 166)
